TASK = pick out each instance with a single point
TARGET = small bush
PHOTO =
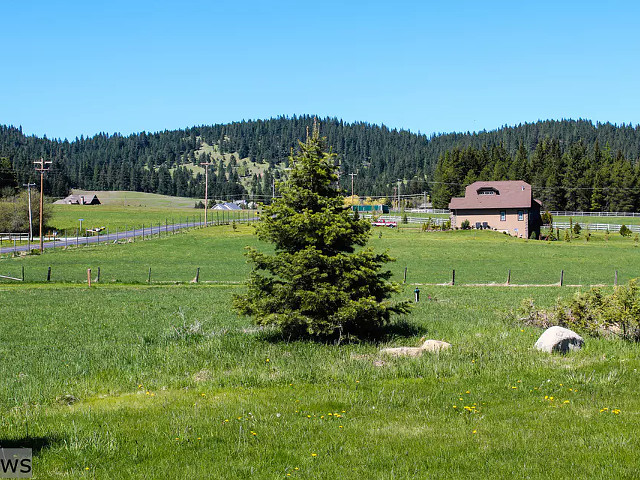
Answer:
(577, 229)
(465, 225)
(625, 231)
(547, 218)
(593, 312)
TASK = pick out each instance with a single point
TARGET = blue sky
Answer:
(72, 68)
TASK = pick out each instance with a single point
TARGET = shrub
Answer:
(593, 312)
(465, 225)
(547, 218)
(577, 229)
(625, 231)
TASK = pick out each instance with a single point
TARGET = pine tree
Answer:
(316, 284)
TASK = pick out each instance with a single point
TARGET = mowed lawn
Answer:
(164, 381)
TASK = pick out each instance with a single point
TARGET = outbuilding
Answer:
(506, 206)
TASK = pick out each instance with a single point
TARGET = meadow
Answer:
(128, 380)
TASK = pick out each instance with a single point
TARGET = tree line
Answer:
(162, 162)
(573, 176)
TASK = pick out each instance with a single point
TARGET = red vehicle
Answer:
(384, 223)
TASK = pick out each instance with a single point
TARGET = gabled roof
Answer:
(505, 194)
(226, 206)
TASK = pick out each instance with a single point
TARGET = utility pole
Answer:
(398, 205)
(41, 166)
(206, 189)
(352, 175)
(29, 185)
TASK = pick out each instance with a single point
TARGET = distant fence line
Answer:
(129, 234)
(595, 214)
(398, 219)
(602, 227)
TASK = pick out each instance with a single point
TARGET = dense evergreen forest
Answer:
(571, 164)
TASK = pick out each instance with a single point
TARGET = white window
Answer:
(503, 215)
(520, 215)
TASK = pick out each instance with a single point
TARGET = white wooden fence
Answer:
(602, 227)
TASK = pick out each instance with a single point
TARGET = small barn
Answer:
(80, 200)
(226, 206)
(506, 206)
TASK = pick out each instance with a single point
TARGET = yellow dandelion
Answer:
(566, 401)
(296, 468)
(203, 394)
(86, 468)
(199, 438)
(308, 416)
(475, 431)
(330, 414)
(226, 420)
(314, 454)
(455, 406)
(267, 360)
(467, 391)
(340, 426)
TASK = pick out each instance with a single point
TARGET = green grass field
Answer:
(476, 256)
(126, 380)
(66, 217)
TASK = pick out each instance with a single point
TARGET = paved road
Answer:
(111, 237)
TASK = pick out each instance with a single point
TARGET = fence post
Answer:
(509, 277)
(98, 279)
(149, 277)
(89, 276)
(49, 274)
(561, 278)
(143, 232)
(23, 273)
(615, 279)
(405, 275)
(453, 277)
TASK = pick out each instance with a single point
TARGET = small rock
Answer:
(559, 339)
(435, 345)
(427, 346)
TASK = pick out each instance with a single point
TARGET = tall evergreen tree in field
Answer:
(316, 283)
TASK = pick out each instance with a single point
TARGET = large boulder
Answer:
(559, 339)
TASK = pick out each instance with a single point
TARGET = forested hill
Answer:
(248, 155)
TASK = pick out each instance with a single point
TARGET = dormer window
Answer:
(488, 191)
